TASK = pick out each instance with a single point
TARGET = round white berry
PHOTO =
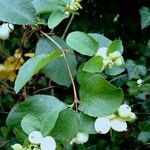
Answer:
(35, 137)
(140, 81)
(17, 147)
(118, 124)
(81, 138)
(4, 33)
(48, 143)
(124, 111)
(8, 26)
(102, 52)
(102, 125)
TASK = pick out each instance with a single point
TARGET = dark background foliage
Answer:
(98, 16)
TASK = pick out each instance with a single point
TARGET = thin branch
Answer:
(44, 89)
(124, 75)
(4, 143)
(75, 101)
(69, 23)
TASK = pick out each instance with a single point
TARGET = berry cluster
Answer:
(115, 121)
(38, 142)
(113, 59)
(73, 7)
(5, 30)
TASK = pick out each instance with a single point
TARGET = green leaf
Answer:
(86, 123)
(102, 40)
(18, 12)
(95, 64)
(133, 88)
(135, 71)
(56, 18)
(31, 67)
(66, 126)
(145, 17)
(38, 106)
(82, 43)
(44, 122)
(98, 97)
(115, 46)
(115, 70)
(57, 70)
(47, 6)
(144, 136)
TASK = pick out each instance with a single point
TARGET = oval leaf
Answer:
(145, 17)
(18, 12)
(39, 106)
(82, 43)
(57, 70)
(48, 6)
(66, 126)
(102, 40)
(31, 67)
(55, 18)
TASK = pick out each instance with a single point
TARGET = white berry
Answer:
(17, 147)
(8, 26)
(140, 81)
(35, 137)
(102, 125)
(81, 138)
(118, 124)
(4, 33)
(124, 111)
(102, 52)
(48, 143)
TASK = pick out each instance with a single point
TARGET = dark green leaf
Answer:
(66, 126)
(57, 70)
(86, 123)
(18, 12)
(39, 106)
(115, 70)
(145, 17)
(98, 97)
(135, 71)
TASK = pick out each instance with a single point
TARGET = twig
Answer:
(124, 75)
(4, 143)
(44, 89)
(75, 100)
(69, 23)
